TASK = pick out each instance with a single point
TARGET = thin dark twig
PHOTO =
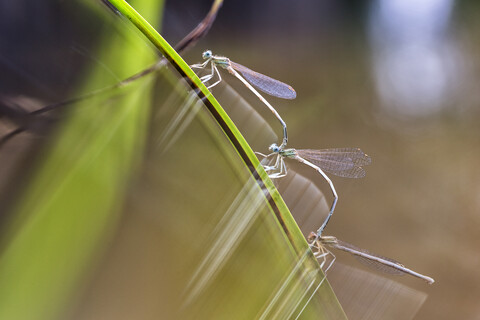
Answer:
(201, 30)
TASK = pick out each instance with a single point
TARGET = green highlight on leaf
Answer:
(66, 213)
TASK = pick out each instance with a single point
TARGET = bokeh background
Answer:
(397, 78)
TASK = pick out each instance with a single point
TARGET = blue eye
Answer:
(207, 54)
(274, 148)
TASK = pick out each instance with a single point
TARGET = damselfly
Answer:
(372, 260)
(343, 162)
(262, 82)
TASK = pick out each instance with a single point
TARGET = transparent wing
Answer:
(343, 162)
(362, 256)
(266, 84)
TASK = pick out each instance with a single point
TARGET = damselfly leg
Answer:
(248, 78)
(321, 253)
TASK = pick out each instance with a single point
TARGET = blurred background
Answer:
(397, 78)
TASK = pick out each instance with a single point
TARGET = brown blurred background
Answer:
(400, 80)
(397, 78)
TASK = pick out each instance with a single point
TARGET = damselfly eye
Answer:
(274, 148)
(207, 54)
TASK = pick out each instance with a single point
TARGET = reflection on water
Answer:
(415, 64)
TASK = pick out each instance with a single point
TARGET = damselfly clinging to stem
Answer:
(262, 82)
(343, 162)
(372, 260)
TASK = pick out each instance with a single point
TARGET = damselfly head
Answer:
(207, 54)
(312, 237)
(274, 148)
